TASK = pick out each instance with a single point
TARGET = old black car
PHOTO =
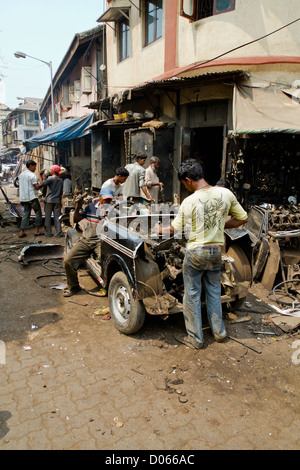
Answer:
(142, 271)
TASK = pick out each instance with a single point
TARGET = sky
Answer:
(43, 30)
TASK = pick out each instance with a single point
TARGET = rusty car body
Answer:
(275, 243)
(143, 271)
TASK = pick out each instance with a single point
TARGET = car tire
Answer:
(16, 182)
(127, 312)
(241, 270)
(260, 255)
(71, 238)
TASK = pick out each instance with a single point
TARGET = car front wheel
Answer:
(127, 312)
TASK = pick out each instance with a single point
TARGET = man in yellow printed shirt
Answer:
(206, 210)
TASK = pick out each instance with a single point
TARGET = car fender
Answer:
(114, 264)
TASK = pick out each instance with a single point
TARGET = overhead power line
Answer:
(236, 48)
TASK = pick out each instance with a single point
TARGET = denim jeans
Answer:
(203, 264)
(35, 205)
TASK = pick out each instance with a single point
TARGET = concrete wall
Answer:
(206, 39)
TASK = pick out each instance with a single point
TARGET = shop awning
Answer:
(114, 14)
(63, 130)
(264, 110)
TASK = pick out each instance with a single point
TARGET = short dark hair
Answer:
(122, 172)
(140, 155)
(190, 169)
(30, 163)
(224, 182)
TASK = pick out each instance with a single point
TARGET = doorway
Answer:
(207, 148)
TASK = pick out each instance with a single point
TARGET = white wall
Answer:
(207, 38)
(143, 63)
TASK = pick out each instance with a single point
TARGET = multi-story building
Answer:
(21, 123)
(4, 111)
(79, 81)
(221, 79)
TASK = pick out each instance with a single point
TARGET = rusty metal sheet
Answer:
(40, 252)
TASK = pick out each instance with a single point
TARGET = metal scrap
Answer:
(244, 344)
(40, 252)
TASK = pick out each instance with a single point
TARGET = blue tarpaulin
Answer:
(63, 130)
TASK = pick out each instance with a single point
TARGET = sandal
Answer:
(23, 235)
(188, 341)
(69, 293)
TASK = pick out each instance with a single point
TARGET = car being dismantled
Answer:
(142, 270)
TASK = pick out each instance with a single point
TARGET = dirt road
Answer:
(70, 380)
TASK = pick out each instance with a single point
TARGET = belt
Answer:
(209, 246)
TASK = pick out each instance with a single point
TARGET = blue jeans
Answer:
(203, 264)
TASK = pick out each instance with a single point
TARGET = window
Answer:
(86, 79)
(28, 134)
(33, 117)
(198, 9)
(71, 94)
(153, 17)
(65, 97)
(77, 91)
(123, 39)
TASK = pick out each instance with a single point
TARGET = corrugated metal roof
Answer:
(180, 82)
(174, 83)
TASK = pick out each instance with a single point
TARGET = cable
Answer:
(236, 48)
(216, 57)
(286, 293)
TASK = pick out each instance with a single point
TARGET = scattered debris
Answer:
(287, 320)
(101, 311)
(244, 344)
(266, 333)
(39, 252)
(78, 303)
(59, 286)
(240, 319)
(137, 371)
(119, 424)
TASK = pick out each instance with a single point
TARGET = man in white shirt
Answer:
(115, 183)
(152, 180)
(135, 186)
(28, 186)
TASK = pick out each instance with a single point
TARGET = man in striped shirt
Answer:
(91, 216)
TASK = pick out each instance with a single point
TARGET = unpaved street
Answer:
(71, 381)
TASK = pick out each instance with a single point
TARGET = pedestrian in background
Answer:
(116, 183)
(135, 185)
(28, 193)
(52, 201)
(152, 180)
